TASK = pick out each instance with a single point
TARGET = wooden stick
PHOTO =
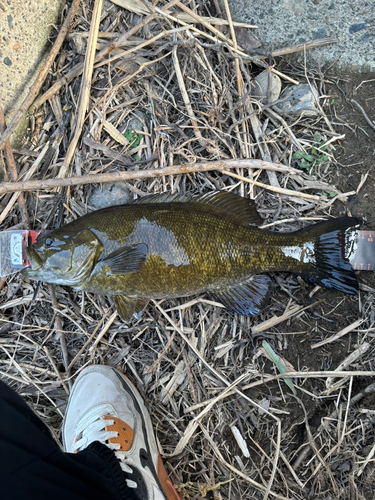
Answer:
(85, 86)
(363, 112)
(61, 336)
(256, 60)
(35, 88)
(265, 378)
(207, 25)
(349, 360)
(10, 187)
(13, 174)
(310, 44)
(141, 45)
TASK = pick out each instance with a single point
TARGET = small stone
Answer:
(320, 33)
(246, 40)
(136, 122)
(260, 86)
(354, 28)
(300, 99)
(109, 194)
(7, 61)
(78, 44)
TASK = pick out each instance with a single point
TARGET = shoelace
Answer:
(94, 429)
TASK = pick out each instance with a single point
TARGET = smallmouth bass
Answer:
(167, 246)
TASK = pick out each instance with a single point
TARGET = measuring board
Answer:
(364, 256)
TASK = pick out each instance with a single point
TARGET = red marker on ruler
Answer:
(13, 250)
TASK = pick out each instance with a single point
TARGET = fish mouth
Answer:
(34, 259)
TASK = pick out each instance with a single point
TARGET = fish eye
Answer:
(48, 242)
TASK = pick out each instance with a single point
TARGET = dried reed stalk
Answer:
(85, 86)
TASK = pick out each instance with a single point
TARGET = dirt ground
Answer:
(355, 156)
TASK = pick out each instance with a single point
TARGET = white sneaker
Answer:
(105, 406)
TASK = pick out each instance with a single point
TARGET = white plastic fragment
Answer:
(240, 441)
(265, 404)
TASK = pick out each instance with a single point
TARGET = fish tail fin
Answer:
(329, 267)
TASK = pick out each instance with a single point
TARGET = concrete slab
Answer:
(24, 30)
(289, 22)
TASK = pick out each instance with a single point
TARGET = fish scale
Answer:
(181, 261)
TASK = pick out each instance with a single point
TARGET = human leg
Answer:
(33, 466)
(106, 423)
(106, 407)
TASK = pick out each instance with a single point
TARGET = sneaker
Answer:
(105, 406)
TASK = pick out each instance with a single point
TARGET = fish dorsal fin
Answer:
(162, 198)
(126, 260)
(242, 208)
(247, 298)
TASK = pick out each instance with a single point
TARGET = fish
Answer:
(167, 246)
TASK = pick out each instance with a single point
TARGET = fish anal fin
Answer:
(128, 306)
(140, 306)
(247, 298)
(125, 306)
(126, 260)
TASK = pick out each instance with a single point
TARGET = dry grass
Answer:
(201, 369)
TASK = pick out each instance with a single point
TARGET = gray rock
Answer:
(134, 122)
(109, 194)
(248, 41)
(78, 44)
(25, 29)
(300, 98)
(260, 87)
(284, 23)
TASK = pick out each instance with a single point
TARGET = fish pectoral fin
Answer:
(127, 306)
(246, 298)
(126, 260)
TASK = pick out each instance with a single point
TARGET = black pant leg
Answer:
(32, 466)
